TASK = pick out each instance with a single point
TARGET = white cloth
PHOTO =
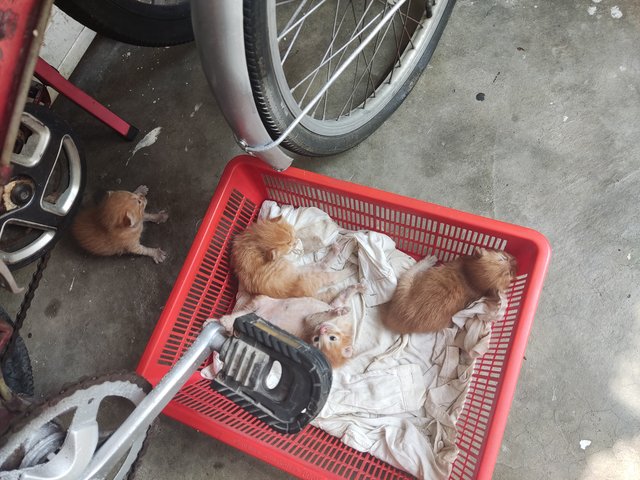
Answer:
(399, 397)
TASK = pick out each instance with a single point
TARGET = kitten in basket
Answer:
(326, 326)
(114, 226)
(428, 296)
(258, 259)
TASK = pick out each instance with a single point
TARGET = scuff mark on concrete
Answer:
(148, 140)
(195, 109)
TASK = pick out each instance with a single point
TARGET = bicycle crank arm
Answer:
(273, 375)
(212, 338)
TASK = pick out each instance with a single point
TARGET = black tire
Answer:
(16, 369)
(271, 101)
(55, 123)
(134, 22)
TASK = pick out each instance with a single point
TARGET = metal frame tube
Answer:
(210, 339)
(23, 24)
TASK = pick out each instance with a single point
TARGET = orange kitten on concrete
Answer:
(258, 258)
(114, 226)
(428, 296)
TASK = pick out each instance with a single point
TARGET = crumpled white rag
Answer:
(399, 397)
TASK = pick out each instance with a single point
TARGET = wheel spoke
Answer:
(341, 50)
(356, 35)
(293, 41)
(397, 60)
(348, 105)
(369, 80)
(362, 76)
(301, 20)
(335, 53)
(400, 13)
(333, 36)
(293, 17)
(353, 37)
(324, 57)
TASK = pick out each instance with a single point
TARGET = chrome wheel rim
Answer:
(50, 163)
(355, 109)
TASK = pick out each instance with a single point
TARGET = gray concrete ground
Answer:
(554, 146)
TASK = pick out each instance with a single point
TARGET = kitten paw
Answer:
(159, 255)
(162, 216)
(360, 287)
(227, 322)
(341, 311)
(208, 321)
(142, 190)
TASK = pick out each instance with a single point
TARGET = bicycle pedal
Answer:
(273, 375)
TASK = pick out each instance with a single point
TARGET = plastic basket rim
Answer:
(492, 437)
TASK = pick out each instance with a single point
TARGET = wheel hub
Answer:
(45, 443)
(48, 179)
(22, 193)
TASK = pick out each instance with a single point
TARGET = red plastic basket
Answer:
(206, 288)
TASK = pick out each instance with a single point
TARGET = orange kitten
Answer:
(331, 332)
(428, 296)
(328, 327)
(258, 258)
(114, 226)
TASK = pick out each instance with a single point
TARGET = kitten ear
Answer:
(272, 254)
(480, 251)
(129, 220)
(276, 219)
(347, 352)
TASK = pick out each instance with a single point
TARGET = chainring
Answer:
(38, 436)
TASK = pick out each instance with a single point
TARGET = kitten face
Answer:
(333, 343)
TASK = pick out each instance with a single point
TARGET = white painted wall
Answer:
(65, 42)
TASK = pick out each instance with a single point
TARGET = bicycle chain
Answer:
(26, 304)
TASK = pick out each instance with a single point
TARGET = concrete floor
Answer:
(554, 146)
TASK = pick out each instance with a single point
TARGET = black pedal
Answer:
(273, 375)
